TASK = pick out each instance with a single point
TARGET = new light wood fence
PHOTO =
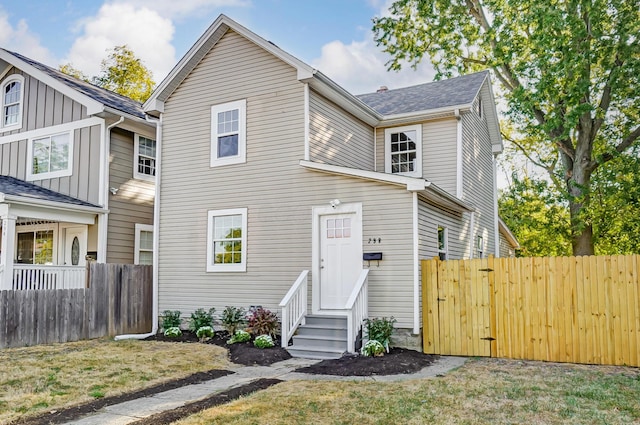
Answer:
(117, 301)
(561, 309)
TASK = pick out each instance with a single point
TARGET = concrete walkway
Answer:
(134, 410)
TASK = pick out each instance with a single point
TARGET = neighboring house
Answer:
(508, 242)
(77, 170)
(269, 169)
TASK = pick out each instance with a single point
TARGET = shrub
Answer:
(171, 319)
(372, 348)
(263, 341)
(200, 318)
(380, 330)
(172, 332)
(263, 322)
(233, 318)
(204, 333)
(239, 336)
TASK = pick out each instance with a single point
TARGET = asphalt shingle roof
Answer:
(16, 187)
(438, 94)
(106, 97)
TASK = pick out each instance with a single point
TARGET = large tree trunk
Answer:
(579, 186)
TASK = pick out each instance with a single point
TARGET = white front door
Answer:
(340, 257)
(75, 246)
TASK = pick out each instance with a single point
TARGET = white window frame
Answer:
(444, 250)
(480, 245)
(136, 155)
(136, 250)
(240, 158)
(18, 124)
(237, 267)
(52, 174)
(417, 172)
(479, 107)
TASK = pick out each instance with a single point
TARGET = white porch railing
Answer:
(31, 277)
(294, 307)
(357, 309)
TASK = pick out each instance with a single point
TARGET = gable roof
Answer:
(452, 92)
(19, 188)
(88, 94)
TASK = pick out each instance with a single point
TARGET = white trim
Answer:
(136, 154)
(445, 233)
(54, 227)
(31, 176)
(459, 156)
(417, 172)
(472, 231)
(307, 123)
(93, 106)
(241, 157)
(237, 267)
(317, 212)
(416, 267)
(136, 246)
(46, 131)
(18, 124)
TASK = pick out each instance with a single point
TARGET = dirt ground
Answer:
(397, 361)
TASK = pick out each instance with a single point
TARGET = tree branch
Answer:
(608, 156)
(605, 99)
(550, 169)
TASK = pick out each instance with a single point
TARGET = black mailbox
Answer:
(371, 256)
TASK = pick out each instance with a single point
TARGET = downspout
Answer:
(416, 267)
(472, 225)
(496, 229)
(375, 149)
(307, 123)
(156, 237)
(459, 155)
(103, 219)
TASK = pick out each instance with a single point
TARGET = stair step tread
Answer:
(316, 349)
(316, 326)
(321, 337)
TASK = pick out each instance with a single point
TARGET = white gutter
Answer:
(156, 238)
(416, 267)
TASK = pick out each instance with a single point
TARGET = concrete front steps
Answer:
(321, 337)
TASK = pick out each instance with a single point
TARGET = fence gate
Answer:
(457, 306)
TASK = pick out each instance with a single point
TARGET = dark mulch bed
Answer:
(397, 361)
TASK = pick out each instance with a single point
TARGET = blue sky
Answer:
(332, 35)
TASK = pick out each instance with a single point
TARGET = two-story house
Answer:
(77, 170)
(272, 175)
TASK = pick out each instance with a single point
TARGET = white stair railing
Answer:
(33, 277)
(357, 309)
(294, 307)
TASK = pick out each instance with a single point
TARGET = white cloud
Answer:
(21, 40)
(183, 8)
(360, 67)
(143, 30)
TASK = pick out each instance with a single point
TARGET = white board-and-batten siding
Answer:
(338, 138)
(133, 202)
(278, 193)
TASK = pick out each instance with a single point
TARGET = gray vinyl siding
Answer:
(43, 106)
(457, 225)
(84, 181)
(279, 194)
(506, 249)
(439, 155)
(478, 176)
(338, 138)
(133, 203)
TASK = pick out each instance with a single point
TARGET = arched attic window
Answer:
(12, 94)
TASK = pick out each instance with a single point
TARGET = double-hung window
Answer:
(403, 147)
(228, 133)
(443, 243)
(227, 240)
(144, 166)
(50, 156)
(143, 250)
(12, 93)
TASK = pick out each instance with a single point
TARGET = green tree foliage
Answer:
(569, 73)
(536, 216)
(122, 72)
(69, 69)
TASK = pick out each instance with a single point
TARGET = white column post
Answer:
(8, 248)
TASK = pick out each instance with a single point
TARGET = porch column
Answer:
(7, 250)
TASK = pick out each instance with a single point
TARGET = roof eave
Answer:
(425, 115)
(25, 200)
(506, 232)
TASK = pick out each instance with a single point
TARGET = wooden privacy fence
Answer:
(560, 309)
(117, 301)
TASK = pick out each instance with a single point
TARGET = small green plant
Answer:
(173, 332)
(171, 319)
(380, 330)
(201, 318)
(372, 348)
(239, 336)
(205, 333)
(263, 341)
(233, 318)
(263, 321)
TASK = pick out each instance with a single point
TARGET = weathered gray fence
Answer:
(117, 301)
